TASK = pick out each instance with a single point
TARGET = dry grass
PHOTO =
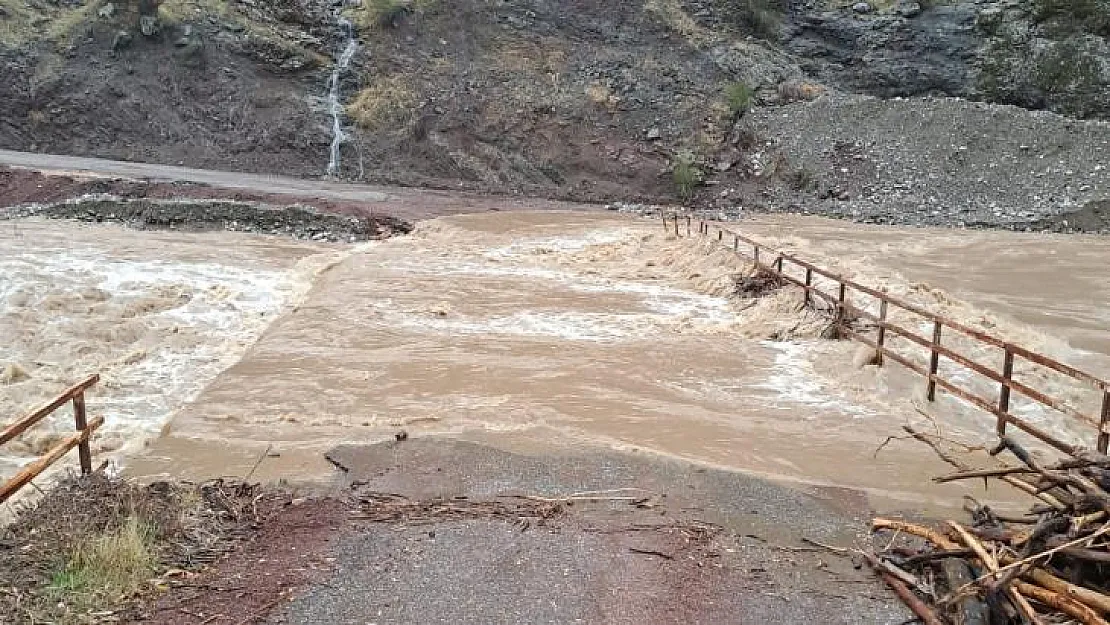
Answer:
(24, 23)
(387, 103)
(381, 14)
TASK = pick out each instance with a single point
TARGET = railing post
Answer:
(82, 423)
(809, 283)
(720, 235)
(664, 216)
(736, 243)
(881, 341)
(934, 363)
(778, 264)
(1103, 436)
(689, 225)
(676, 235)
(1004, 392)
(841, 314)
(756, 248)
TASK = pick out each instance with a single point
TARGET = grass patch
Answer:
(382, 14)
(23, 22)
(387, 103)
(739, 97)
(116, 564)
(686, 174)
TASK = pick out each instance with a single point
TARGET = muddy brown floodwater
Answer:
(538, 332)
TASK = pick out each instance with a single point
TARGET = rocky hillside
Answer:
(724, 103)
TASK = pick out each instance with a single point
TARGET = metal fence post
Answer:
(881, 342)
(809, 283)
(82, 423)
(676, 227)
(1103, 435)
(689, 225)
(736, 243)
(934, 363)
(1004, 392)
(720, 235)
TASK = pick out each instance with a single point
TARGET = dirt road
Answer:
(403, 203)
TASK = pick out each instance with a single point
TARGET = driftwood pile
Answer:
(1051, 565)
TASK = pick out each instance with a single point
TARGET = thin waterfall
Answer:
(335, 102)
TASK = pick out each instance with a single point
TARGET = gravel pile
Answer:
(940, 161)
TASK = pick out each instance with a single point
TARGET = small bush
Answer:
(802, 179)
(686, 175)
(739, 97)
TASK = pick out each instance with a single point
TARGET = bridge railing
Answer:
(845, 299)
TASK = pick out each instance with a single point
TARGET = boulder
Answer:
(149, 25)
(122, 40)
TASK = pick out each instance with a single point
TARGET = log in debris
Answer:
(1050, 566)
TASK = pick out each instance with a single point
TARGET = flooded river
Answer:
(531, 331)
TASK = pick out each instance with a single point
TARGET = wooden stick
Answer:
(1063, 603)
(1021, 485)
(920, 531)
(1020, 602)
(1104, 529)
(967, 475)
(915, 604)
(1087, 596)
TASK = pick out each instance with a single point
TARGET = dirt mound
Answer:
(200, 215)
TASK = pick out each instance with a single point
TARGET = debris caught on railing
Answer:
(1050, 565)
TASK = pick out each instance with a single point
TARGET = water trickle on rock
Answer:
(335, 103)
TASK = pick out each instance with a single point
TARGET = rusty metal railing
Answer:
(841, 307)
(79, 439)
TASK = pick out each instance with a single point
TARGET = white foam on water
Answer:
(794, 382)
(157, 331)
(539, 246)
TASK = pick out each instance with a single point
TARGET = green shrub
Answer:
(686, 175)
(1090, 16)
(739, 97)
(803, 179)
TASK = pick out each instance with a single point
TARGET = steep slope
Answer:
(645, 100)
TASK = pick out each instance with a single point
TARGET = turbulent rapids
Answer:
(527, 330)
